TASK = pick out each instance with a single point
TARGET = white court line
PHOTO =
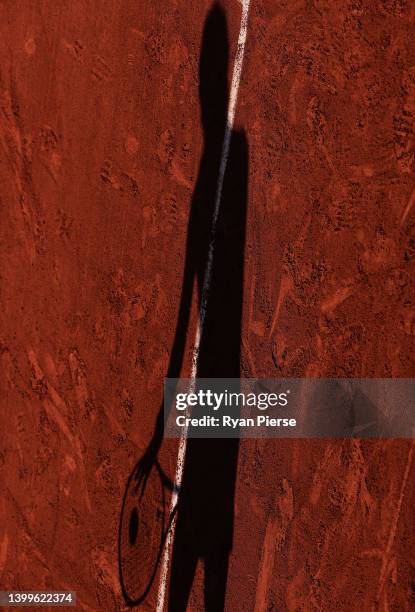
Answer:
(233, 97)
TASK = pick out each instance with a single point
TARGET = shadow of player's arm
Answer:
(192, 261)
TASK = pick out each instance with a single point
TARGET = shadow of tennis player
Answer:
(204, 529)
(205, 511)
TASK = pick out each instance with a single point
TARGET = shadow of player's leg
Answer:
(183, 566)
(216, 576)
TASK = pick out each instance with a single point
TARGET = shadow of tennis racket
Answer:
(144, 524)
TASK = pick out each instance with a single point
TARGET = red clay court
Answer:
(103, 135)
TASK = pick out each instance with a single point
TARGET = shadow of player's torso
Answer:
(208, 484)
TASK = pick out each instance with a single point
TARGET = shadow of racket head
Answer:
(144, 524)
